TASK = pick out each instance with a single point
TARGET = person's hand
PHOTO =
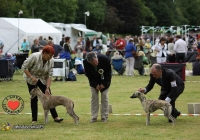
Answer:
(102, 87)
(141, 90)
(33, 79)
(47, 92)
(98, 87)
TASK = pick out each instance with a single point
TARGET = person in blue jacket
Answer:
(130, 49)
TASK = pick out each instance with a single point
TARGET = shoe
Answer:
(175, 116)
(55, 79)
(93, 120)
(61, 79)
(59, 120)
(34, 122)
(178, 114)
(103, 120)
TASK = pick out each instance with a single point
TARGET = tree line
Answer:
(113, 16)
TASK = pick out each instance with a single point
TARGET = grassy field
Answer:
(122, 127)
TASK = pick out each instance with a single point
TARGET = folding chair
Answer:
(118, 66)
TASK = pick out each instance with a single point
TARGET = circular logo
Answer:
(13, 104)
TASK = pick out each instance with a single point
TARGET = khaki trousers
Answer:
(95, 103)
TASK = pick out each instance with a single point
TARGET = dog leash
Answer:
(149, 97)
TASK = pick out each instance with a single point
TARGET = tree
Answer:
(110, 18)
(130, 13)
(52, 11)
(191, 10)
(11, 8)
(97, 9)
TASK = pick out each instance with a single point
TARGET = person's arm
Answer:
(88, 73)
(50, 74)
(28, 63)
(48, 84)
(107, 75)
(150, 85)
(173, 84)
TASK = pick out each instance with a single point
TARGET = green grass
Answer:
(118, 127)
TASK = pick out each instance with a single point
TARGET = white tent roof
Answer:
(32, 26)
(14, 30)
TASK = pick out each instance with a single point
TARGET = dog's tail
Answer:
(71, 112)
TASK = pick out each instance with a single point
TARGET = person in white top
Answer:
(161, 49)
(180, 49)
(171, 58)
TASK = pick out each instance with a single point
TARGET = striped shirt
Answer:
(34, 64)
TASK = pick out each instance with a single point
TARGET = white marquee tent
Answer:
(14, 30)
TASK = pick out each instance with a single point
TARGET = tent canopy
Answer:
(87, 32)
(14, 30)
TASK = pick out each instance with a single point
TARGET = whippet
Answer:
(150, 106)
(49, 102)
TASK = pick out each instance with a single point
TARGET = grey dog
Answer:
(49, 102)
(153, 105)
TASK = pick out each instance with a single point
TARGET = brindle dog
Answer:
(150, 106)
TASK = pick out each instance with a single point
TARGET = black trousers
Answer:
(164, 94)
(34, 101)
(180, 57)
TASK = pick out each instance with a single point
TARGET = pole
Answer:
(18, 32)
(185, 34)
(85, 19)
(153, 35)
(142, 31)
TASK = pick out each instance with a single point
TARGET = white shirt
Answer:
(180, 46)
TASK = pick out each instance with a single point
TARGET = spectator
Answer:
(144, 61)
(1, 46)
(94, 42)
(161, 51)
(79, 49)
(42, 42)
(180, 49)
(58, 49)
(129, 56)
(171, 57)
(67, 46)
(148, 50)
(25, 46)
(36, 47)
(97, 49)
(88, 47)
(62, 41)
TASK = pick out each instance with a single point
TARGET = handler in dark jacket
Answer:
(98, 70)
(171, 85)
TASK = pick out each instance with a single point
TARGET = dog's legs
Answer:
(46, 111)
(167, 113)
(147, 118)
(70, 111)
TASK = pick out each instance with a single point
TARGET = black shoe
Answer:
(55, 79)
(61, 79)
(59, 120)
(170, 121)
(178, 114)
